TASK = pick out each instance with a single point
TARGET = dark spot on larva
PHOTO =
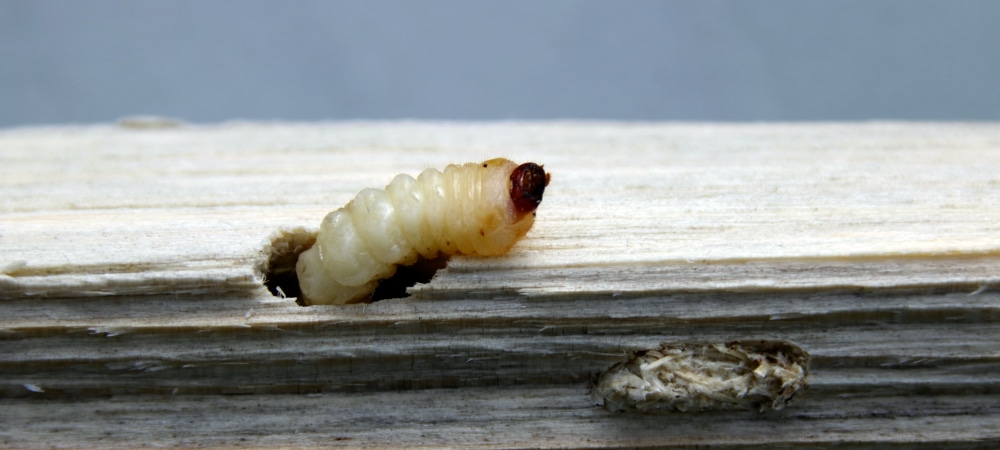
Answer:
(482, 233)
(527, 184)
(485, 165)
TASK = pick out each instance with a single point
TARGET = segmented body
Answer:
(472, 209)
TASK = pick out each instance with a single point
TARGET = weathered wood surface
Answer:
(130, 313)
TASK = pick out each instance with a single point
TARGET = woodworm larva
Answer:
(755, 375)
(473, 209)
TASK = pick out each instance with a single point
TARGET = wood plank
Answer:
(130, 312)
(491, 418)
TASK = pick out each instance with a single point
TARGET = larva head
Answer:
(504, 213)
(527, 184)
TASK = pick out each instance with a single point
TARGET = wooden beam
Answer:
(131, 312)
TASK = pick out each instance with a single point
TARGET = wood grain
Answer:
(130, 312)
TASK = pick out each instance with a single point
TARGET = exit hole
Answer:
(276, 267)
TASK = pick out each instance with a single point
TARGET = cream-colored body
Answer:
(464, 210)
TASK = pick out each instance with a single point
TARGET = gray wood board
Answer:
(130, 312)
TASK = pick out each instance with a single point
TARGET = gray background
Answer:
(208, 61)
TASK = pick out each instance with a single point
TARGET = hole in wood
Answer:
(276, 268)
(748, 375)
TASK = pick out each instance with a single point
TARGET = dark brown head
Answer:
(527, 183)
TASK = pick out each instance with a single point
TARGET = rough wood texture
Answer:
(130, 313)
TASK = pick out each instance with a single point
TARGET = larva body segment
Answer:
(474, 209)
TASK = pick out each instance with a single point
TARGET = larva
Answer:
(755, 375)
(473, 209)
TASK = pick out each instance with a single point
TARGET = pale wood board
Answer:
(128, 294)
